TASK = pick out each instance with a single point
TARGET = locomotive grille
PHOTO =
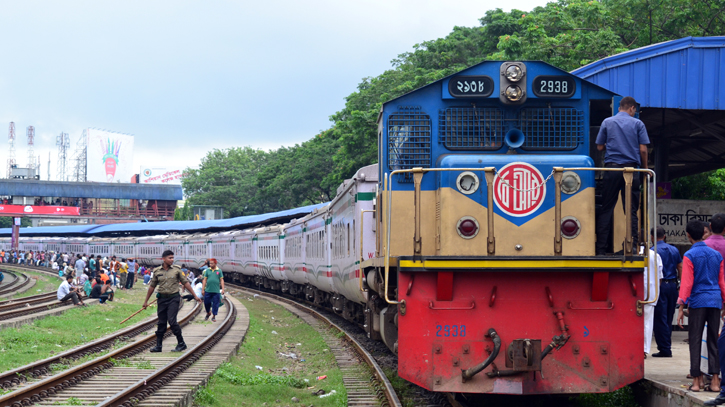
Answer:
(552, 128)
(409, 141)
(470, 128)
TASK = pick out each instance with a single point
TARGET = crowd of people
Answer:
(98, 277)
(700, 297)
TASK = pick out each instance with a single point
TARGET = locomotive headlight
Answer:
(467, 182)
(513, 93)
(570, 182)
(467, 227)
(514, 73)
(570, 227)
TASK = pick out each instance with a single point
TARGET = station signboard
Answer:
(30, 210)
(109, 156)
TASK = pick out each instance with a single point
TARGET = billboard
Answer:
(109, 156)
(29, 210)
(160, 175)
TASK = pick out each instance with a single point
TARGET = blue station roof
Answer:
(150, 228)
(688, 73)
(104, 190)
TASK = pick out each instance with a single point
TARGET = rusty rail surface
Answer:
(21, 280)
(21, 374)
(144, 388)
(390, 395)
(35, 392)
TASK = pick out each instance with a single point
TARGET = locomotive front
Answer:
(486, 238)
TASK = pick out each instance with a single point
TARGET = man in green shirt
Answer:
(212, 289)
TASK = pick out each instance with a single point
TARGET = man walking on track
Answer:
(625, 140)
(212, 289)
(167, 278)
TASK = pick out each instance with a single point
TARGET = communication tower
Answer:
(80, 156)
(63, 143)
(31, 144)
(11, 142)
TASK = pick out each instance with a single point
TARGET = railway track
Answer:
(371, 389)
(19, 281)
(90, 382)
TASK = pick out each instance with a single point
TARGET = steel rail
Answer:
(43, 367)
(392, 397)
(35, 392)
(24, 299)
(144, 388)
(7, 282)
(16, 285)
(25, 302)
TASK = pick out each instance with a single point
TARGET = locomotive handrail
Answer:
(419, 170)
(490, 173)
(362, 255)
(628, 173)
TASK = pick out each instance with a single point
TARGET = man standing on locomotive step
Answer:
(625, 140)
(167, 278)
(666, 304)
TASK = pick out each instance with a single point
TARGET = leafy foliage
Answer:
(566, 33)
(7, 222)
(705, 186)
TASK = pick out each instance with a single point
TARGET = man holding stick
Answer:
(167, 278)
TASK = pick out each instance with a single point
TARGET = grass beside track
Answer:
(274, 330)
(56, 334)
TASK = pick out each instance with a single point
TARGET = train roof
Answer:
(474, 68)
(161, 228)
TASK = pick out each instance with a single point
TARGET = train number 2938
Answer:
(450, 330)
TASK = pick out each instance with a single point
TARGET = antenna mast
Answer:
(11, 142)
(31, 153)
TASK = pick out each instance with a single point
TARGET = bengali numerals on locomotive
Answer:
(470, 86)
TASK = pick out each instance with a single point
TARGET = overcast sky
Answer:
(185, 77)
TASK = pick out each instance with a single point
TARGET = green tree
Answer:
(566, 34)
(227, 178)
(7, 222)
(183, 213)
(708, 186)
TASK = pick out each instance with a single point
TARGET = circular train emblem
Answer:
(528, 190)
(147, 172)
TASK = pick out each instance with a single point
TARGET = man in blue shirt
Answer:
(625, 140)
(667, 302)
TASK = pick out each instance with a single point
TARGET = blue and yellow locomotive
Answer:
(486, 237)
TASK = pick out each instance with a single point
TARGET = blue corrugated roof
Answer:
(105, 190)
(688, 73)
(167, 227)
(52, 230)
(194, 225)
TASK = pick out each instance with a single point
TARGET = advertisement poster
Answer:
(30, 210)
(110, 156)
(160, 175)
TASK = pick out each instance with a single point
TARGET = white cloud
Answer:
(186, 76)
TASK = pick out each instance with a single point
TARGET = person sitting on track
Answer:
(102, 291)
(67, 292)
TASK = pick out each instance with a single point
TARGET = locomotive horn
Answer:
(469, 373)
(514, 138)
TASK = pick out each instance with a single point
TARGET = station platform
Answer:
(666, 378)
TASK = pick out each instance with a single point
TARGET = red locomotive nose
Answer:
(569, 228)
(468, 227)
